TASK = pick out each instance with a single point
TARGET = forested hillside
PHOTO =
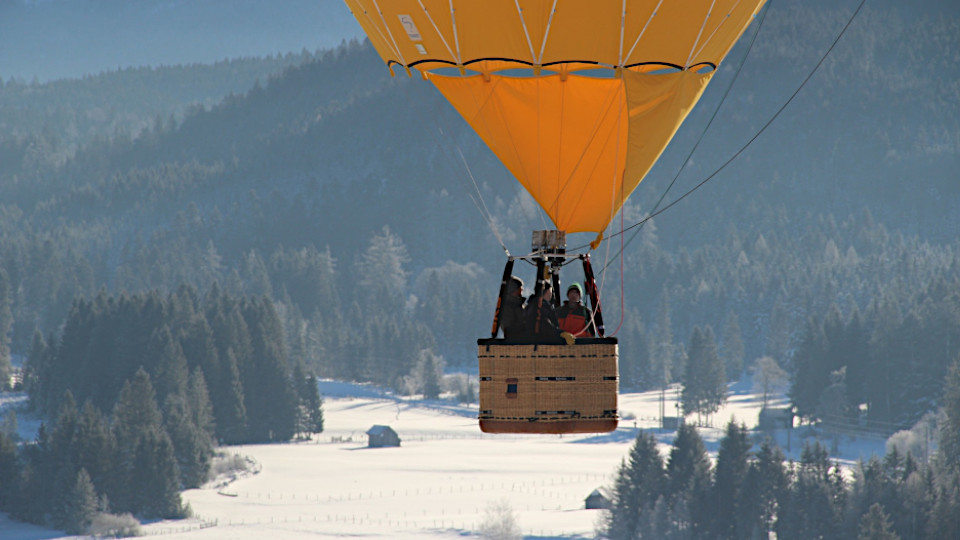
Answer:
(62, 115)
(55, 39)
(338, 192)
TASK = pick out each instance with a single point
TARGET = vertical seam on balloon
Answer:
(533, 56)
(613, 191)
(563, 100)
(480, 106)
(715, 30)
(439, 33)
(623, 203)
(623, 24)
(540, 154)
(595, 130)
(577, 166)
(513, 141)
(379, 31)
(482, 205)
(456, 35)
(546, 33)
(396, 47)
(643, 31)
(555, 210)
(700, 33)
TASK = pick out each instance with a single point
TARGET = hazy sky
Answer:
(53, 39)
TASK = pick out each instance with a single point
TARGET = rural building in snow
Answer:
(598, 500)
(771, 419)
(381, 436)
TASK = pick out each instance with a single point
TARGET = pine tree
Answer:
(380, 270)
(9, 425)
(639, 483)
(665, 365)
(704, 385)
(810, 376)
(833, 406)
(949, 448)
(816, 502)
(945, 514)
(688, 464)
(210, 371)
(136, 411)
(9, 472)
(135, 417)
(166, 363)
(37, 486)
(313, 405)
(730, 473)
(887, 347)
(856, 354)
(732, 349)
(6, 325)
(80, 505)
(427, 373)
(35, 379)
(192, 448)
(199, 405)
(875, 525)
(156, 478)
(918, 493)
(689, 481)
(272, 406)
(66, 363)
(764, 486)
(432, 307)
(636, 369)
(63, 437)
(96, 448)
(781, 327)
(232, 418)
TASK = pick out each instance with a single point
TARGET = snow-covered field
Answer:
(438, 484)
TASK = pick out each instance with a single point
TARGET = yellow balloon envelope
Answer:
(577, 98)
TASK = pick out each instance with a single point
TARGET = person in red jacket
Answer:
(573, 316)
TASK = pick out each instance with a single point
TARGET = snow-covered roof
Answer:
(599, 492)
(379, 430)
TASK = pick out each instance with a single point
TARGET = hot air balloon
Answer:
(578, 99)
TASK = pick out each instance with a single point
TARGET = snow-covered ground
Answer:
(438, 484)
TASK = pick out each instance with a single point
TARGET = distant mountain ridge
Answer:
(57, 39)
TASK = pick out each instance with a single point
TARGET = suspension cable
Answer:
(478, 200)
(716, 111)
(703, 133)
(752, 139)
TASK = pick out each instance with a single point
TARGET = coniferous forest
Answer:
(177, 267)
(752, 491)
(140, 389)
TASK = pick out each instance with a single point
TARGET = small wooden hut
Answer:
(382, 436)
(772, 419)
(598, 500)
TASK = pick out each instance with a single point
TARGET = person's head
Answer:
(547, 291)
(574, 293)
(515, 286)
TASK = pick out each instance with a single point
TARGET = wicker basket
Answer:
(528, 388)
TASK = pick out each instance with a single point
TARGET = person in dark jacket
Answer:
(542, 324)
(574, 317)
(512, 311)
